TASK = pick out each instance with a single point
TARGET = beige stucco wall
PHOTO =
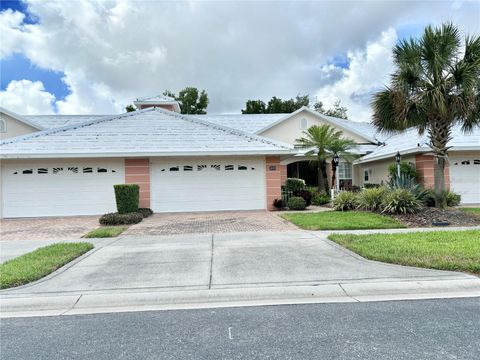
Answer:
(290, 130)
(378, 170)
(14, 127)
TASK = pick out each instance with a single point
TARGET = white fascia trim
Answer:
(392, 155)
(21, 119)
(154, 154)
(312, 112)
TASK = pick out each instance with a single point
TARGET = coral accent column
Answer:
(424, 165)
(283, 174)
(273, 176)
(137, 171)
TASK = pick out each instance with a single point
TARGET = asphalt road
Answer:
(421, 329)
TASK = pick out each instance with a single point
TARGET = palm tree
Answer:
(324, 141)
(435, 85)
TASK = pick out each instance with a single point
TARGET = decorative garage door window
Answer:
(467, 162)
(208, 167)
(64, 170)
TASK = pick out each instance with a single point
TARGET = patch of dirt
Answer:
(425, 218)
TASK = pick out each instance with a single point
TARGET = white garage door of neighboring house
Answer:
(465, 177)
(58, 188)
(207, 185)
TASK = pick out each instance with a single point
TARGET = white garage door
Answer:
(57, 188)
(208, 185)
(465, 177)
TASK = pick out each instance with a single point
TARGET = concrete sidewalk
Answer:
(209, 270)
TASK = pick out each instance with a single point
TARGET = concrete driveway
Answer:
(219, 261)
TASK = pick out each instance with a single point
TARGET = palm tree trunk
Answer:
(439, 181)
(321, 179)
(325, 177)
(440, 135)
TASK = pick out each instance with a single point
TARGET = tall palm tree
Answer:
(435, 85)
(324, 141)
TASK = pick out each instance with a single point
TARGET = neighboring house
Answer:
(67, 165)
(12, 125)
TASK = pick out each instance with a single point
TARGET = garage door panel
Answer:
(465, 177)
(67, 192)
(209, 185)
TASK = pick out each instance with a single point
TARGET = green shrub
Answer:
(400, 201)
(371, 199)
(146, 212)
(410, 184)
(294, 184)
(371, 185)
(345, 201)
(121, 219)
(451, 198)
(127, 196)
(320, 199)
(406, 169)
(296, 203)
(279, 204)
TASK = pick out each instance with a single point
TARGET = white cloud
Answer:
(27, 97)
(112, 52)
(367, 72)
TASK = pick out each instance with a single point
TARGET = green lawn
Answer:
(472, 211)
(338, 220)
(105, 232)
(39, 263)
(443, 250)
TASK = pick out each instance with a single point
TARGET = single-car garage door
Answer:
(58, 188)
(207, 185)
(465, 177)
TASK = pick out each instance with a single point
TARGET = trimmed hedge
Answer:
(296, 203)
(294, 184)
(121, 219)
(127, 197)
(146, 212)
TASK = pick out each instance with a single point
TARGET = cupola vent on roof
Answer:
(160, 101)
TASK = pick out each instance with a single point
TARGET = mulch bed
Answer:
(425, 218)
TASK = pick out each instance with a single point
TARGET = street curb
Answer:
(88, 303)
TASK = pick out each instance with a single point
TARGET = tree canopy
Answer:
(338, 110)
(191, 100)
(276, 105)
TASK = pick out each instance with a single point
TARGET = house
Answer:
(60, 165)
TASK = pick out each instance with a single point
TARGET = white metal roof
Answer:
(409, 141)
(251, 123)
(55, 121)
(149, 132)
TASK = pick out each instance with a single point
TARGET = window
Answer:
(188, 168)
(215, 167)
(87, 170)
(27, 171)
(73, 169)
(303, 123)
(344, 175)
(57, 170)
(466, 162)
(201, 167)
(3, 125)
(174, 168)
(42, 171)
(366, 175)
(101, 170)
(229, 167)
(476, 162)
(242, 167)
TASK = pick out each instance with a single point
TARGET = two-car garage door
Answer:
(85, 187)
(207, 184)
(60, 188)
